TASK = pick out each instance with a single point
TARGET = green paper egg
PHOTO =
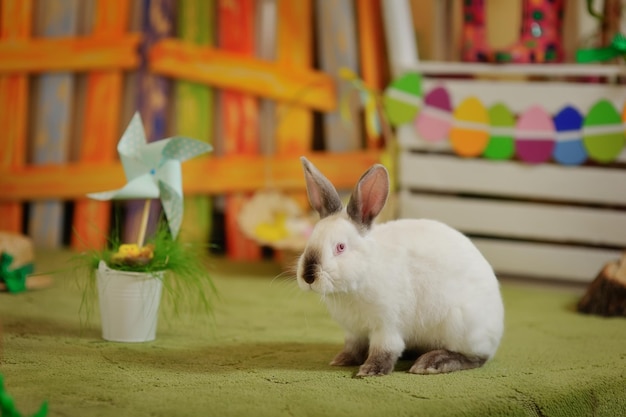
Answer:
(501, 133)
(603, 132)
(403, 98)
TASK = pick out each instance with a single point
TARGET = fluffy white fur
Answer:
(408, 284)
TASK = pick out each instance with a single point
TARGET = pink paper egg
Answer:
(435, 119)
(534, 136)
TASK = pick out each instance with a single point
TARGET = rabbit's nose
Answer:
(309, 273)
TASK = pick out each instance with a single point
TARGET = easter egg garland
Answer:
(534, 136)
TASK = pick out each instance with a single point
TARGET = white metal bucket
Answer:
(129, 304)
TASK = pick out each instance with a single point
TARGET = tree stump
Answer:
(606, 295)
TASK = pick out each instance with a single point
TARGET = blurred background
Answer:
(258, 79)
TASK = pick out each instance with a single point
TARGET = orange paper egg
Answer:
(470, 128)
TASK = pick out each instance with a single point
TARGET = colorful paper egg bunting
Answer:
(569, 148)
(469, 134)
(534, 136)
(603, 132)
(501, 143)
(434, 121)
(402, 99)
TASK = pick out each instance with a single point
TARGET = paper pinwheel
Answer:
(153, 170)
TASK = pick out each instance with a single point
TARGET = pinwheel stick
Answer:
(144, 223)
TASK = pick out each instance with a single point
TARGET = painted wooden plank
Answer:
(265, 27)
(237, 173)
(239, 116)
(448, 173)
(545, 261)
(519, 219)
(294, 130)
(15, 23)
(295, 50)
(371, 51)
(400, 36)
(337, 48)
(69, 54)
(53, 123)
(435, 68)
(152, 103)
(442, 42)
(220, 68)
(194, 111)
(100, 127)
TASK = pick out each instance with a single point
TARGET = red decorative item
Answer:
(474, 37)
(541, 34)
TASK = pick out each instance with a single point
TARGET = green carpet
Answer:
(267, 351)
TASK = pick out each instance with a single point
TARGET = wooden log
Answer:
(100, 127)
(606, 295)
(220, 68)
(15, 24)
(69, 54)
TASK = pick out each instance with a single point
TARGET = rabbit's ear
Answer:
(369, 196)
(322, 194)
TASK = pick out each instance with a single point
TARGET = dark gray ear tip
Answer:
(305, 162)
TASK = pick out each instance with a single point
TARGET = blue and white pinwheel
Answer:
(153, 170)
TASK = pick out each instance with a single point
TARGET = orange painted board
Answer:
(371, 49)
(236, 71)
(15, 23)
(294, 128)
(100, 127)
(69, 54)
(239, 115)
(237, 173)
(294, 123)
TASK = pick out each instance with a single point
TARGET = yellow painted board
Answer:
(229, 70)
(237, 173)
(69, 54)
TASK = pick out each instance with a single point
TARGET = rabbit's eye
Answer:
(339, 247)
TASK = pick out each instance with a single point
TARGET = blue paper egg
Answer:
(569, 148)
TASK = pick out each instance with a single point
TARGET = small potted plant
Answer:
(130, 277)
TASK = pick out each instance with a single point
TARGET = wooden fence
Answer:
(73, 72)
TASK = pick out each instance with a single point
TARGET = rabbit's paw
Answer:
(377, 364)
(442, 361)
(350, 357)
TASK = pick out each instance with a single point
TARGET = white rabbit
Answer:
(405, 285)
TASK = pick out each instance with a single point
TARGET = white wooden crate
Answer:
(548, 220)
